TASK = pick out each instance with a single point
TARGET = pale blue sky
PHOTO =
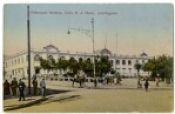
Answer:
(140, 27)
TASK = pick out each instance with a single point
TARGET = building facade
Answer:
(17, 65)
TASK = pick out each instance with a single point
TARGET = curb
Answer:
(26, 104)
(41, 100)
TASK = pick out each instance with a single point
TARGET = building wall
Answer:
(16, 66)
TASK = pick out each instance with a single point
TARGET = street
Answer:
(105, 100)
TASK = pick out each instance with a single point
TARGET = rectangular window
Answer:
(19, 61)
(117, 62)
(129, 62)
(111, 61)
(137, 61)
(123, 62)
(143, 61)
(22, 60)
(130, 69)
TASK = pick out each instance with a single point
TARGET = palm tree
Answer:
(138, 67)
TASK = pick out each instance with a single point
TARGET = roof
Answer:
(51, 48)
(105, 51)
(143, 54)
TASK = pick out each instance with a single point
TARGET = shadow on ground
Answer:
(43, 100)
(48, 92)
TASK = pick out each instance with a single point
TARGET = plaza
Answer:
(124, 98)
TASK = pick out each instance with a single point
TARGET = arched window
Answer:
(36, 57)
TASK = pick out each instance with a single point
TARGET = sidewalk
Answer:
(13, 104)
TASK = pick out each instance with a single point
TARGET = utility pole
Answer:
(28, 46)
(92, 22)
(89, 33)
(116, 43)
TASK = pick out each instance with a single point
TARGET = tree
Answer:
(161, 66)
(138, 67)
(62, 64)
(88, 67)
(81, 64)
(44, 63)
(51, 63)
(149, 66)
(103, 66)
(165, 67)
(73, 65)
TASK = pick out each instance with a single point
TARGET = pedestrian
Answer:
(81, 77)
(146, 84)
(21, 87)
(74, 80)
(157, 81)
(115, 80)
(119, 80)
(95, 82)
(107, 79)
(43, 87)
(6, 88)
(35, 86)
(14, 85)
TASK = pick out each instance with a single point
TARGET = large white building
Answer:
(16, 65)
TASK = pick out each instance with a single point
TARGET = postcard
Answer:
(93, 58)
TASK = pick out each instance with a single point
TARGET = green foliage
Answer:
(73, 65)
(138, 67)
(103, 65)
(88, 67)
(44, 63)
(162, 66)
(62, 64)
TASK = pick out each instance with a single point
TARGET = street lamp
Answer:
(89, 33)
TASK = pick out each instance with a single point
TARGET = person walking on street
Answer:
(74, 80)
(6, 88)
(95, 82)
(146, 85)
(21, 90)
(115, 80)
(14, 85)
(157, 81)
(43, 88)
(119, 80)
(35, 86)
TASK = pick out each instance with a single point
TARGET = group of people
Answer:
(81, 78)
(14, 85)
